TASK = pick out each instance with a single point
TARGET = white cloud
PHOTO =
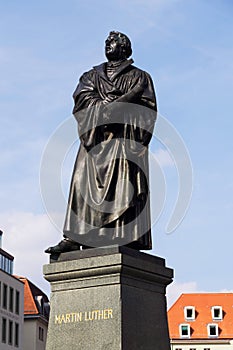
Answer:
(225, 291)
(175, 289)
(26, 236)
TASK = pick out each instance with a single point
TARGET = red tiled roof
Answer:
(203, 302)
(30, 292)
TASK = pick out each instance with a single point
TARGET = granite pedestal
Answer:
(108, 299)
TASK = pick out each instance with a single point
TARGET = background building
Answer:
(24, 309)
(11, 304)
(36, 315)
(202, 321)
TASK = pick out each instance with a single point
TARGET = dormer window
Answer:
(184, 330)
(216, 312)
(40, 301)
(212, 329)
(189, 313)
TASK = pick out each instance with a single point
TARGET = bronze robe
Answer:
(109, 194)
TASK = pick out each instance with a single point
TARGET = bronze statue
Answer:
(115, 107)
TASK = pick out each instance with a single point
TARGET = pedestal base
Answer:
(108, 299)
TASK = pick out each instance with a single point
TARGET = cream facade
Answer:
(36, 315)
(24, 309)
(202, 345)
(11, 310)
(35, 333)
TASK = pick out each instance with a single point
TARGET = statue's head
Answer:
(117, 46)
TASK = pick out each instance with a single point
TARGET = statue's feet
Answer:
(66, 245)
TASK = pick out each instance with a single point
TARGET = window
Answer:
(185, 330)
(10, 332)
(16, 334)
(4, 299)
(212, 330)
(11, 299)
(11, 267)
(206, 348)
(40, 301)
(17, 302)
(192, 349)
(189, 312)
(41, 333)
(6, 264)
(3, 330)
(178, 349)
(216, 312)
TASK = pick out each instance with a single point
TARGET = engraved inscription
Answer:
(98, 315)
(68, 318)
(86, 316)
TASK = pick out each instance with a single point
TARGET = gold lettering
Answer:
(93, 315)
(106, 317)
(101, 314)
(57, 319)
(73, 318)
(79, 317)
(110, 313)
(63, 319)
(88, 316)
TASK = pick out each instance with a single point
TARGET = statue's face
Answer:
(113, 48)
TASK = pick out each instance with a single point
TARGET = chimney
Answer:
(1, 233)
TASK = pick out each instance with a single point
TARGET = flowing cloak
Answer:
(109, 193)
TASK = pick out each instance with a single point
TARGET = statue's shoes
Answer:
(66, 245)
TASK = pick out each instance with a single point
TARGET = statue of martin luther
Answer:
(115, 107)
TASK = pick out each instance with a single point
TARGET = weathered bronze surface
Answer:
(115, 107)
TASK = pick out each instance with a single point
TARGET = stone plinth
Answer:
(108, 299)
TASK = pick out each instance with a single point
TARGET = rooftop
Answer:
(208, 309)
(36, 301)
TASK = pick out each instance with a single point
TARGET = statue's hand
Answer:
(111, 97)
(132, 95)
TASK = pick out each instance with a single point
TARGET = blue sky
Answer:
(187, 48)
